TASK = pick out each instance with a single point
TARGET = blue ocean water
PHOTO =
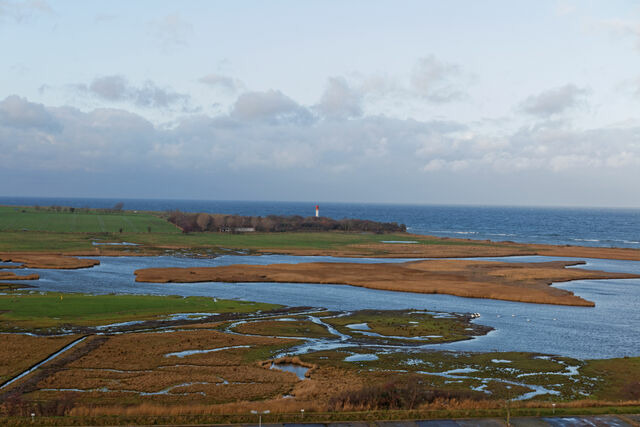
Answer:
(561, 226)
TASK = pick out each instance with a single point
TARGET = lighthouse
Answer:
(317, 211)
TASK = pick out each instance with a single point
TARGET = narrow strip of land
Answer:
(522, 282)
(47, 261)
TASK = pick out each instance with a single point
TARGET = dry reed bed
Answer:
(130, 365)
(521, 282)
(47, 261)
(10, 275)
(147, 350)
(443, 247)
(296, 328)
(137, 362)
(19, 352)
(462, 249)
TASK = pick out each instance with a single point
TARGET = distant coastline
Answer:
(590, 227)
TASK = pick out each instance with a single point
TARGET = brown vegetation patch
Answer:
(398, 393)
(148, 350)
(48, 261)
(460, 249)
(10, 275)
(291, 328)
(444, 247)
(621, 378)
(20, 352)
(522, 282)
(133, 368)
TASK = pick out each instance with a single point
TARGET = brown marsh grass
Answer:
(19, 352)
(522, 282)
(48, 261)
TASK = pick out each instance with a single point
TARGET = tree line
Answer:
(194, 222)
(55, 208)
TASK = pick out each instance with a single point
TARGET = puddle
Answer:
(394, 337)
(537, 391)
(359, 326)
(114, 244)
(360, 358)
(460, 371)
(500, 361)
(116, 325)
(330, 328)
(211, 350)
(298, 370)
(168, 389)
(481, 388)
(189, 316)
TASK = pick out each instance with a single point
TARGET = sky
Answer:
(422, 102)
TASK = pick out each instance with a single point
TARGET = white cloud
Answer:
(17, 112)
(112, 88)
(340, 100)
(116, 88)
(554, 101)
(430, 80)
(435, 80)
(219, 81)
(267, 134)
(271, 105)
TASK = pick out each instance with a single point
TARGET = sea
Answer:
(602, 227)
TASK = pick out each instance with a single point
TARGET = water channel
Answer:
(611, 329)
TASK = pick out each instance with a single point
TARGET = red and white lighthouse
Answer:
(317, 211)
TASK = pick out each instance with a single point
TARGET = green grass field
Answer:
(292, 240)
(14, 218)
(52, 241)
(51, 310)
(47, 230)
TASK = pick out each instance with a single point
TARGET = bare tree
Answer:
(203, 220)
